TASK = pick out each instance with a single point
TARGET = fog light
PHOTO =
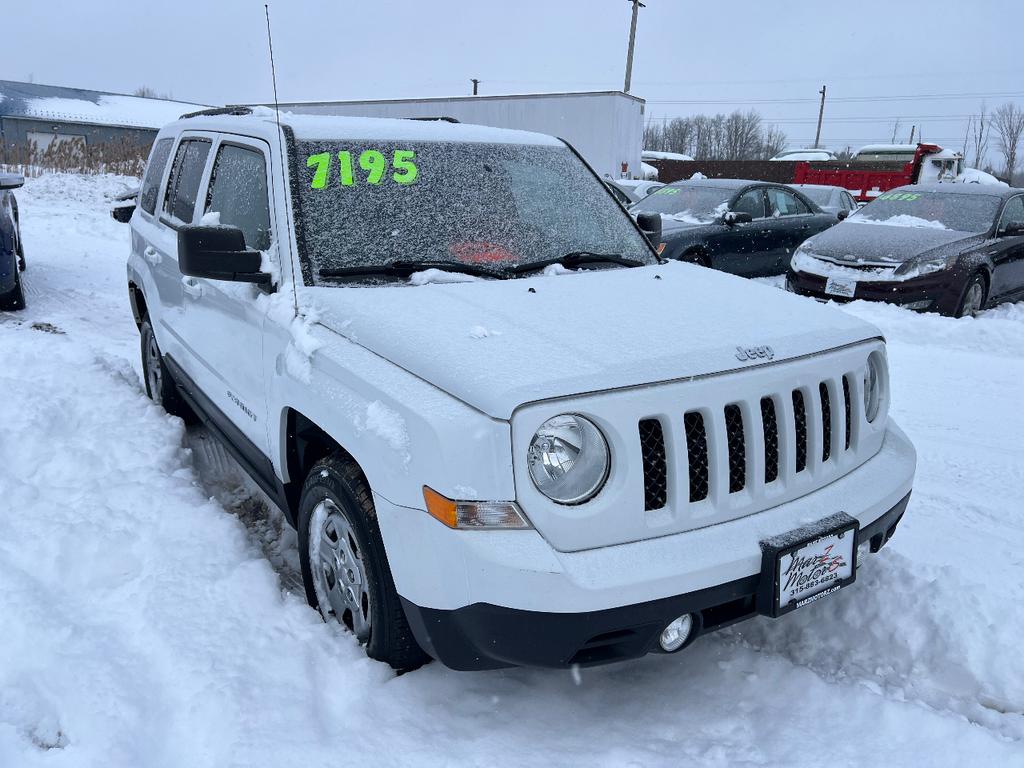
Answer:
(676, 633)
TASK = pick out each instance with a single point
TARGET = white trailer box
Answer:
(605, 127)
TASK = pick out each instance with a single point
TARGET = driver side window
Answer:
(752, 202)
(1013, 213)
(785, 203)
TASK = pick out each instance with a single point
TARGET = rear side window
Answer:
(154, 174)
(785, 203)
(1013, 213)
(238, 192)
(186, 173)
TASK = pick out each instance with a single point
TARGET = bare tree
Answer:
(979, 136)
(737, 136)
(1009, 125)
(773, 143)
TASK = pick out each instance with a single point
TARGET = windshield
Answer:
(496, 205)
(964, 213)
(687, 202)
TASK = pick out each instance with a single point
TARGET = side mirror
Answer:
(11, 180)
(218, 253)
(650, 225)
(122, 212)
(842, 215)
(1013, 229)
(732, 218)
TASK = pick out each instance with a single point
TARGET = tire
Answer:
(973, 299)
(160, 384)
(14, 299)
(352, 583)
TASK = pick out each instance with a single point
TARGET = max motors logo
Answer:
(755, 353)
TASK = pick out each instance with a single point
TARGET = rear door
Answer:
(225, 320)
(792, 222)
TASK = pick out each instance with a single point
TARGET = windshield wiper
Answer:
(576, 258)
(407, 268)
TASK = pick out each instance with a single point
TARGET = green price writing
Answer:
(373, 163)
(898, 196)
(667, 191)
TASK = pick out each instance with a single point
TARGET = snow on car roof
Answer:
(951, 188)
(706, 182)
(332, 126)
(79, 105)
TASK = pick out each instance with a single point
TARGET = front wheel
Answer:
(973, 300)
(344, 566)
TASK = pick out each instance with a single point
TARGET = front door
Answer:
(792, 222)
(225, 320)
(745, 249)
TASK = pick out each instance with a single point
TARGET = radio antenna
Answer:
(280, 138)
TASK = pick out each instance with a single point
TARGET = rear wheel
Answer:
(973, 300)
(344, 566)
(14, 298)
(160, 385)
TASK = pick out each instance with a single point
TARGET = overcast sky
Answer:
(880, 59)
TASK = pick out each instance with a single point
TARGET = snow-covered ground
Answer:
(150, 613)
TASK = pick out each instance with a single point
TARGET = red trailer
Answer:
(868, 180)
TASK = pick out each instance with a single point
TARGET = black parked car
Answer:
(745, 227)
(12, 252)
(950, 248)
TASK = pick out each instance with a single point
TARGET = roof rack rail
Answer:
(237, 111)
(439, 118)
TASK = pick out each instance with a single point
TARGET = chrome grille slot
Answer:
(697, 455)
(737, 448)
(826, 422)
(800, 419)
(771, 440)
(652, 452)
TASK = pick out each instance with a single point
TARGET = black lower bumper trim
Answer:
(484, 636)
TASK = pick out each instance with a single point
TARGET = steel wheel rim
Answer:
(154, 373)
(972, 302)
(339, 573)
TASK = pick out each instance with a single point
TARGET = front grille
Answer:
(652, 452)
(800, 416)
(697, 455)
(737, 449)
(826, 422)
(717, 443)
(771, 440)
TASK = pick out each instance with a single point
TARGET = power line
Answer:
(846, 99)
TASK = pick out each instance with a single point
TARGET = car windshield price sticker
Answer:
(372, 164)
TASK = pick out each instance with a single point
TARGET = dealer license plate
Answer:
(837, 286)
(809, 564)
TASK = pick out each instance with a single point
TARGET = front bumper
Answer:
(483, 636)
(479, 599)
(937, 291)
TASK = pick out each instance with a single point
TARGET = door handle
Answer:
(192, 287)
(151, 255)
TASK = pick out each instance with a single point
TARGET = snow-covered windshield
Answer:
(482, 205)
(704, 204)
(964, 213)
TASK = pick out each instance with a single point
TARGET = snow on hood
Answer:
(850, 241)
(900, 220)
(603, 329)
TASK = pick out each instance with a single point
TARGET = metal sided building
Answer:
(606, 127)
(43, 114)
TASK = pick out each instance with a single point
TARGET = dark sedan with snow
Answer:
(12, 255)
(749, 228)
(949, 248)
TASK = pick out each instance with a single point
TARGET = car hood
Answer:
(498, 344)
(854, 242)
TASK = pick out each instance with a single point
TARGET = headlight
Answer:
(804, 261)
(874, 378)
(923, 265)
(568, 459)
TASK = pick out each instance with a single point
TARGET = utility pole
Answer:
(476, 85)
(821, 114)
(637, 5)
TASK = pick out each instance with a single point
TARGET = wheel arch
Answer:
(138, 302)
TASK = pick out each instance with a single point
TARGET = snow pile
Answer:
(899, 220)
(144, 625)
(440, 276)
(480, 332)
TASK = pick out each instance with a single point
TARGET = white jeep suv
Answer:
(505, 432)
